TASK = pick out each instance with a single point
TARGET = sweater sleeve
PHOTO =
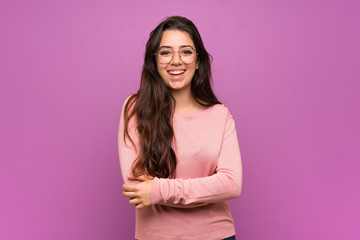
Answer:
(128, 152)
(224, 184)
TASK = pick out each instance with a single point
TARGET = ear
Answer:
(197, 65)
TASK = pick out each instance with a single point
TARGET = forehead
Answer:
(175, 39)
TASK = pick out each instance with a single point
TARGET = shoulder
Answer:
(219, 110)
(128, 104)
(127, 115)
(225, 119)
(216, 115)
(130, 100)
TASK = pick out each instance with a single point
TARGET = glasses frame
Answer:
(173, 53)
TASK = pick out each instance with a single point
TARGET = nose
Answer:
(176, 60)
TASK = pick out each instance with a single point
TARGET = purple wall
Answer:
(288, 71)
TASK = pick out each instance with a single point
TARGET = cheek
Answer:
(159, 68)
(192, 69)
(162, 72)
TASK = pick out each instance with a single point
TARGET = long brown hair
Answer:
(153, 105)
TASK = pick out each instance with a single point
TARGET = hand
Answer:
(139, 194)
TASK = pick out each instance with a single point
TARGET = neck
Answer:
(185, 102)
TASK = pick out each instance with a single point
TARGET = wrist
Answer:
(155, 191)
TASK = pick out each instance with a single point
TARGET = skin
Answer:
(180, 85)
(140, 194)
(176, 39)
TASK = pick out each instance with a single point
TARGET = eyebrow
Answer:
(182, 46)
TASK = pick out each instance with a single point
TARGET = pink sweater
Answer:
(193, 206)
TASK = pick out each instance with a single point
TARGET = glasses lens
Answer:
(187, 55)
(164, 55)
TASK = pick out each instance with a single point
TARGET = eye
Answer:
(164, 53)
(187, 52)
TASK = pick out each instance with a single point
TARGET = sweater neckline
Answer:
(189, 115)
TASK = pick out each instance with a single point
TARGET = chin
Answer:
(175, 86)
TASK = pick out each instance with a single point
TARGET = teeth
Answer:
(176, 72)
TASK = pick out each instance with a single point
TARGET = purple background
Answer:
(287, 70)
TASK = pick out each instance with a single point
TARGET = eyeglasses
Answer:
(187, 55)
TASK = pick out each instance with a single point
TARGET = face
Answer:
(177, 74)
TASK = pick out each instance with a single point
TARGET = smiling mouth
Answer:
(176, 72)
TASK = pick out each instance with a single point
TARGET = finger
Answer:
(135, 201)
(130, 194)
(139, 206)
(129, 187)
(141, 177)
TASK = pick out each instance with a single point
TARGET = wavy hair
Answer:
(153, 104)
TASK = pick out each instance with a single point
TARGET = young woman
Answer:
(178, 149)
